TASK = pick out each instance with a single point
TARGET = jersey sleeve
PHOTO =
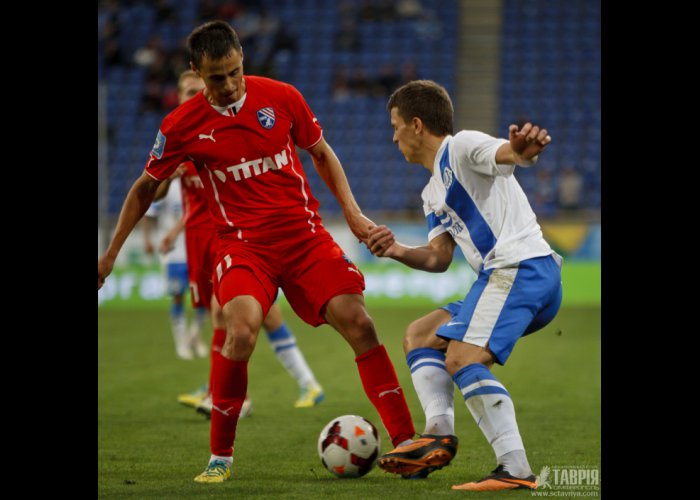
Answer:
(306, 131)
(435, 228)
(477, 151)
(166, 154)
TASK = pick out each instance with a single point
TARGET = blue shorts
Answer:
(178, 280)
(505, 304)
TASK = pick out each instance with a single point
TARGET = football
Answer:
(348, 446)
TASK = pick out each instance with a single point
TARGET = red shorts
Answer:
(311, 270)
(201, 245)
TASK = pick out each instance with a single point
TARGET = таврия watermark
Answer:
(568, 481)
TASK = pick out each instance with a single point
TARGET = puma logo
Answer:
(210, 136)
(384, 393)
(353, 270)
(223, 412)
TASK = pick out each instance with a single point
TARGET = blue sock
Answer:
(285, 345)
(176, 310)
(281, 338)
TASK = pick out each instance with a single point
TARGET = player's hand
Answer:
(148, 247)
(381, 241)
(180, 170)
(104, 269)
(528, 142)
(359, 225)
(167, 244)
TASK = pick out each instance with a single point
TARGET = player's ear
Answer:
(194, 68)
(417, 125)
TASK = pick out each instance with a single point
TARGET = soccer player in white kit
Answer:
(168, 210)
(472, 200)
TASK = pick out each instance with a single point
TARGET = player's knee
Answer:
(414, 337)
(240, 342)
(454, 363)
(360, 331)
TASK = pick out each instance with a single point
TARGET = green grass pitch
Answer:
(151, 447)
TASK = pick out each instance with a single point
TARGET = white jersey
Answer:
(481, 204)
(169, 211)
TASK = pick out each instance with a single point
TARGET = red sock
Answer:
(383, 389)
(230, 386)
(217, 343)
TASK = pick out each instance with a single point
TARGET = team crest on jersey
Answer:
(447, 177)
(266, 117)
(159, 145)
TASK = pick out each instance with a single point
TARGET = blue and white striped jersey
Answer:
(481, 204)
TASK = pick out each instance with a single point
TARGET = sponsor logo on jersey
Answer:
(209, 136)
(447, 177)
(252, 168)
(193, 181)
(266, 117)
(159, 145)
(454, 228)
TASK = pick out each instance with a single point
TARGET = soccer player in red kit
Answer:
(241, 133)
(201, 243)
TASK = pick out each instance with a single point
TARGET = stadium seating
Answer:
(550, 72)
(547, 60)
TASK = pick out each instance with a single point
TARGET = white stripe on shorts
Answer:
(489, 306)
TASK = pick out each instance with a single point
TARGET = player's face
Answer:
(189, 88)
(223, 78)
(404, 136)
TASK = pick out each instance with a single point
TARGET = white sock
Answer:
(287, 352)
(435, 389)
(515, 462)
(493, 410)
(200, 317)
(179, 328)
(229, 460)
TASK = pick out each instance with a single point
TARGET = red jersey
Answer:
(195, 207)
(253, 178)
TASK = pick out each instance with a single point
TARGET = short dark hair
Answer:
(426, 100)
(214, 39)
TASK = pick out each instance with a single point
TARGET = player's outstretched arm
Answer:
(135, 205)
(435, 257)
(524, 145)
(331, 171)
(148, 227)
(168, 241)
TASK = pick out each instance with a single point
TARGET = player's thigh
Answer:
(492, 309)
(422, 332)
(551, 299)
(532, 298)
(246, 280)
(200, 246)
(274, 318)
(318, 275)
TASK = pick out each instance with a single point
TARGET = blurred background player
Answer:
(472, 200)
(162, 214)
(201, 243)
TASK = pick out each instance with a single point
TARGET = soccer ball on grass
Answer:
(348, 446)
